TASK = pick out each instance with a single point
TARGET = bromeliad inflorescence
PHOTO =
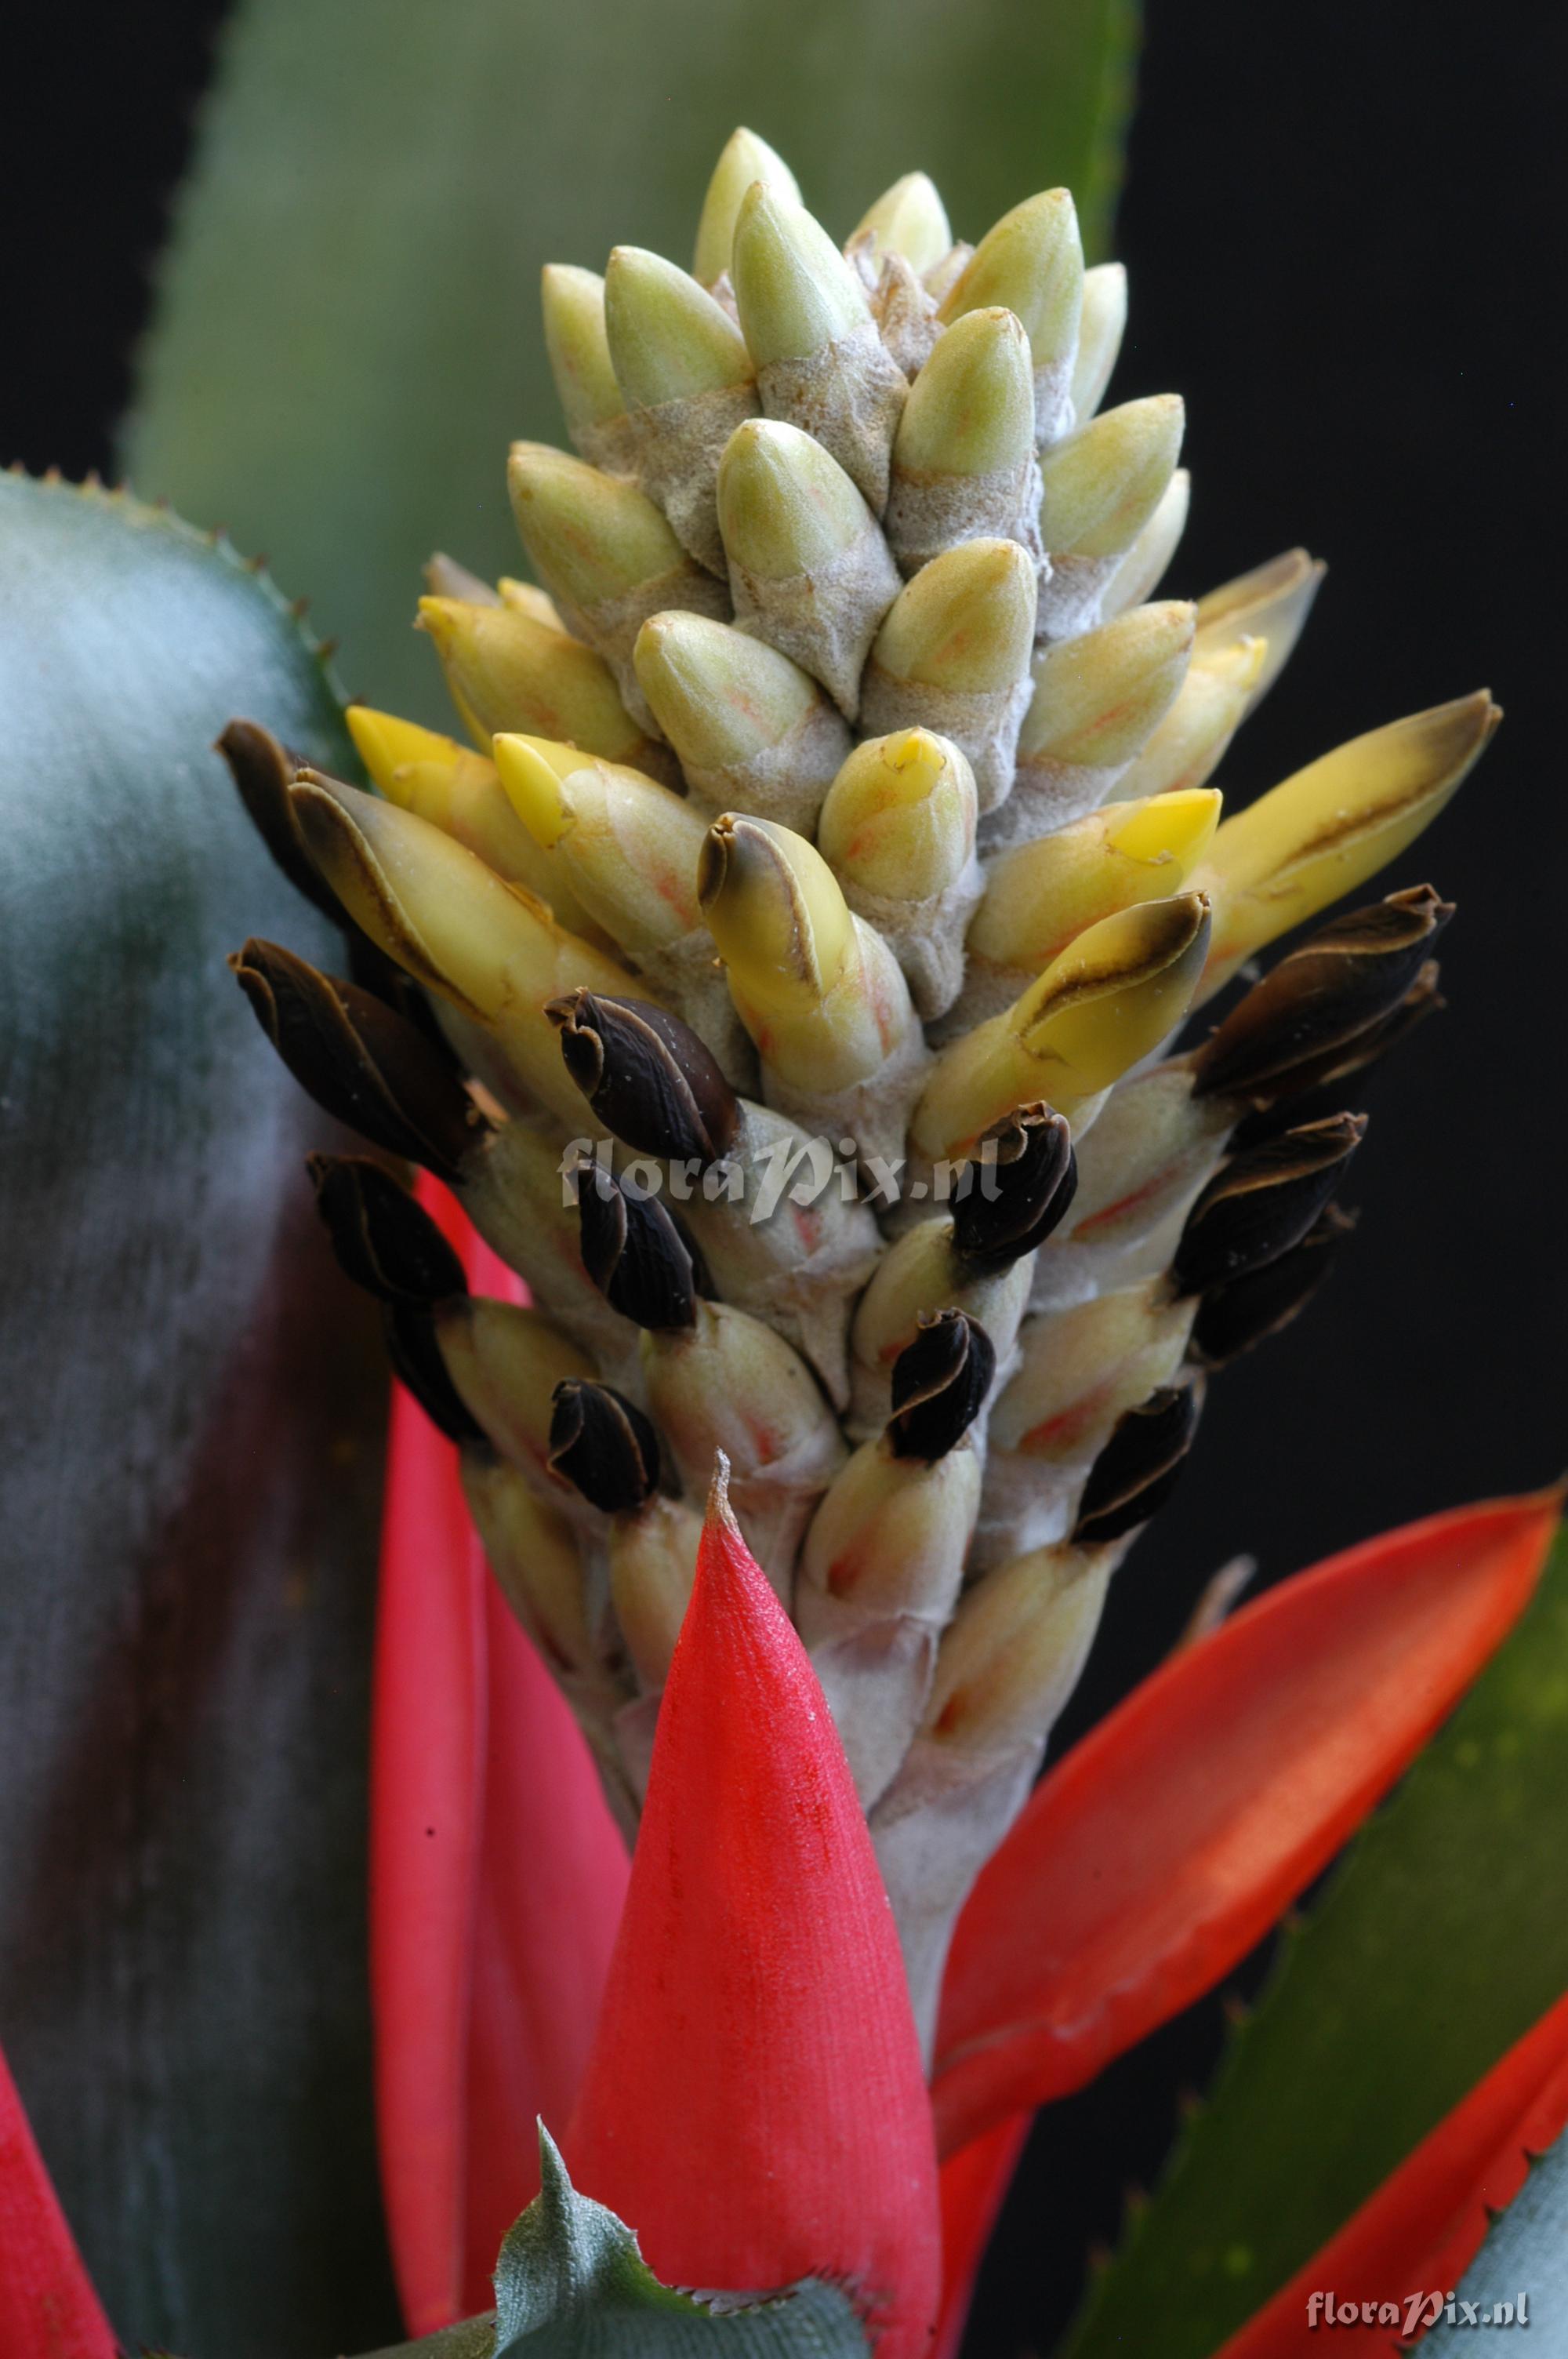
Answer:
(841, 786)
(839, 803)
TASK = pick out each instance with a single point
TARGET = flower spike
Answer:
(756, 1997)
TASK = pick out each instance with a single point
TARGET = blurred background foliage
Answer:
(346, 334)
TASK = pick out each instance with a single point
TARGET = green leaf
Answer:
(1442, 1941)
(348, 334)
(571, 2283)
(1525, 2254)
(190, 1468)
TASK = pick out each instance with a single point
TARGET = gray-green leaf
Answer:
(1443, 1939)
(190, 1467)
(347, 333)
(571, 2283)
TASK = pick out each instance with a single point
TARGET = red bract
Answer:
(496, 1877)
(1169, 1840)
(1425, 2224)
(974, 2186)
(754, 2106)
(48, 2307)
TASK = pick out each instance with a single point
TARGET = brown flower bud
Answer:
(1263, 1201)
(418, 1363)
(384, 1240)
(1322, 1083)
(1234, 1316)
(1294, 1026)
(389, 1245)
(360, 1060)
(651, 1081)
(634, 1251)
(1012, 1196)
(940, 1383)
(263, 769)
(1140, 1464)
(604, 1446)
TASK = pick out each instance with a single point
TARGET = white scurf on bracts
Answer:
(811, 924)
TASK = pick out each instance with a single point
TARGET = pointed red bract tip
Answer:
(754, 2106)
(1169, 1840)
(1427, 2222)
(48, 2307)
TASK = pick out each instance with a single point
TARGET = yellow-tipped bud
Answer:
(629, 847)
(1190, 743)
(774, 909)
(490, 947)
(578, 349)
(809, 570)
(459, 792)
(592, 537)
(1334, 824)
(908, 219)
(1104, 484)
(1100, 697)
(745, 159)
(606, 554)
(953, 656)
(820, 361)
(1082, 1368)
(899, 829)
(1042, 896)
(1271, 602)
(1111, 997)
(506, 1363)
(669, 340)
(386, 744)
(794, 290)
(786, 508)
(819, 991)
(527, 598)
(899, 822)
(1099, 337)
(1142, 570)
(509, 667)
(653, 1563)
(1015, 1651)
(971, 409)
(753, 731)
(729, 1383)
(534, 1554)
(1031, 262)
(964, 623)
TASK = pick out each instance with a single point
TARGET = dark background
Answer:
(1345, 232)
